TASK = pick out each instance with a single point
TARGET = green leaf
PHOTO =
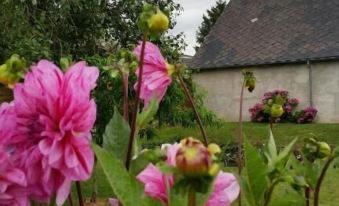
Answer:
(247, 191)
(116, 136)
(284, 155)
(272, 148)
(126, 187)
(143, 159)
(256, 173)
(286, 198)
(113, 73)
(336, 152)
(147, 115)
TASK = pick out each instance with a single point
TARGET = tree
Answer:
(209, 21)
(51, 29)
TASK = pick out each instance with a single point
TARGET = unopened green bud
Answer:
(16, 63)
(134, 65)
(276, 110)
(158, 22)
(65, 63)
(324, 150)
(250, 84)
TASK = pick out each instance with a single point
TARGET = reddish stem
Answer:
(125, 94)
(136, 104)
(320, 180)
(80, 197)
(190, 98)
(307, 196)
(70, 201)
(241, 137)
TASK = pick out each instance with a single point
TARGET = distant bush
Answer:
(306, 115)
(260, 111)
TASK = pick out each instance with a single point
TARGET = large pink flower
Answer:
(156, 73)
(225, 190)
(54, 115)
(225, 187)
(156, 183)
(12, 179)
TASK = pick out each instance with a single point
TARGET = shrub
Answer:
(306, 115)
(260, 112)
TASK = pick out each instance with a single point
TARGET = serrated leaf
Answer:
(143, 159)
(148, 114)
(116, 136)
(125, 187)
(256, 173)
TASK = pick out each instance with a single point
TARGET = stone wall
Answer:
(223, 88)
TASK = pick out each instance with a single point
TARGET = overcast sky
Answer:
(190, 20)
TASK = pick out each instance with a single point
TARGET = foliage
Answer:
(175, 109)
(77, 28)
(115, 138)
(266, 171)
(209, 21)
(260, 112)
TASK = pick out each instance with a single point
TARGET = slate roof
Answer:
(258, 32)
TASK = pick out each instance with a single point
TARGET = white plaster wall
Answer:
(223, 88)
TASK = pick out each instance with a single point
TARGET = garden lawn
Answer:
(255, 132)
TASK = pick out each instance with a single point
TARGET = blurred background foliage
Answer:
(94, 30)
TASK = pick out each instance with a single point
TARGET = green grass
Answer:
(284, 133)
(255, 132)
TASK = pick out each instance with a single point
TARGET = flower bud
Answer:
(250, 84)
(12, 71)
(276, 110)
(193, 158)
(324, 150)
(158, 22)
(15, 63)
(249, 80)
(170, 69)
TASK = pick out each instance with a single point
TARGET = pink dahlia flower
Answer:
(225, 187)
(156, 73)
(156, 183)
(225, 190)
(54, 115)
(12, 179)
(12, 183)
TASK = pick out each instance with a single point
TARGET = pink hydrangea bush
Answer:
(258, 111)
(306, 115)
(54, 115)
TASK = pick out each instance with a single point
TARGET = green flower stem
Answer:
(191, 197)
(198, 118)
(136, 104)
(320, 180)
(268, 194)
(241, 137)
(80, 197)
(307, 196)
(95, 182)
